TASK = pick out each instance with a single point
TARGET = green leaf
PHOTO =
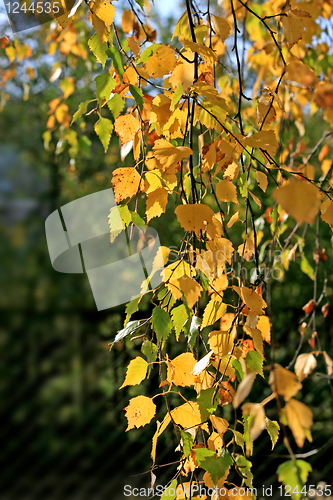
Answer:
(84, 145)
(255, 362)
(162, 324)
(170, 493)
(131, 308)
(295, 474)
(205, 403)
(104, 86)
(194, 328)
(216, 466)
(117, 61)
(82, 109)
(150, 350)
(116, 105)
(307, 268)
(98, 50)
(273, 429)
(130, 328)
(176, 96)
(137, 94)
(137, 220)
(245, 468)
(141, 3)
(47, 136)
(179, 319)
(248, 422)
(187, 442)
(238, 369)
(239, 438)
(242, 184)
(119, 218)
(147, 53)
(103, 129)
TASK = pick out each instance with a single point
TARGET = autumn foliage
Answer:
(213, 124)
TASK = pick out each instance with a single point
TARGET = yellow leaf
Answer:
(301, 200)
(246, 249)
(194, 217)
(188, 286)
(284, 382)
(126, 127)
(232, 170)
(168, 154)
(220, 342)
(257, 339)
(265, 327)
(300, 420)
(328, 362)
(160, 428)
(265, 111)
(305, 364)
(259, 420)
(161, 62)
(160, 112)
(226, 191)
(220, 424)
(177, 269)
(261, 179)
(183, 73)
(62, 115)
(135, 48)
(139, 412)
(206, 53)
(243, 389)
(212, 112)
(256, 199)
(187, 415)
(214, 228)
(127, 21)
(161, 258)
(156, 203)
(222, 249)
(125, 183)
(326, 210)
(104, 10)
(293, 28)
(251, 298)
(297, 71)
(136, 372)
(221, 26)
(180, 368)
(214, 310)
(323, 95)
(101, 15)
(265, 140)
(157, 179)
(233, 219)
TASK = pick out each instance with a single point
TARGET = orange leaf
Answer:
(301, 200)
(125, 183)
(308, 307)
(126, 127)
(194, 217)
